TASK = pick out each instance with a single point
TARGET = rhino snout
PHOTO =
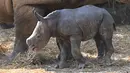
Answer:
(29, 42)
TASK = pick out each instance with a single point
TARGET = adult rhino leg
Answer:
(6, 26)
(24, 22)
(67, 47)
(19, 47)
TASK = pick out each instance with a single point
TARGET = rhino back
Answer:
(82, 21)
(89, 19)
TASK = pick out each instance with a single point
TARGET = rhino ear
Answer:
(38, 16)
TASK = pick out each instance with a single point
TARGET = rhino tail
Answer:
(108, 18)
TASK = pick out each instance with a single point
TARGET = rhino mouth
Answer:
(34, 48)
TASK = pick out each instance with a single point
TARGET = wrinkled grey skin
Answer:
(70, 27)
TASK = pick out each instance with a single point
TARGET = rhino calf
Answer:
(70, 27)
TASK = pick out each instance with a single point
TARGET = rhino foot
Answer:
(81, 66)
(108, 62)
(105, 61)
(62, 65)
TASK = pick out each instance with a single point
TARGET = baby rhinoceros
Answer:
(74, 26)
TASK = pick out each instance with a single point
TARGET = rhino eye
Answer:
(38, 36)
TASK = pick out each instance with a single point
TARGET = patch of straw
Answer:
(22, 60)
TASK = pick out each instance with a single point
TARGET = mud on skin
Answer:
(70, 27)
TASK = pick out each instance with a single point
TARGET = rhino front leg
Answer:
(75, 49)
(63, 46)
(67, 47)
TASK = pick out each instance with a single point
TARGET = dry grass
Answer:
(24, 71)
(121, 57)
(4, 47)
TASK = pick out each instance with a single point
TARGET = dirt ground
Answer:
(121, 56)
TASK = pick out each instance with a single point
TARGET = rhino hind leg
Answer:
(109, 50)
(100, 46)
(106, 36)
(101, 49)
(105, 49)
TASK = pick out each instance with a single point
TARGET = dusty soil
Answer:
(121, 57)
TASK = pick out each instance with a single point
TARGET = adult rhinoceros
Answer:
(24, 19)
(6, 14)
